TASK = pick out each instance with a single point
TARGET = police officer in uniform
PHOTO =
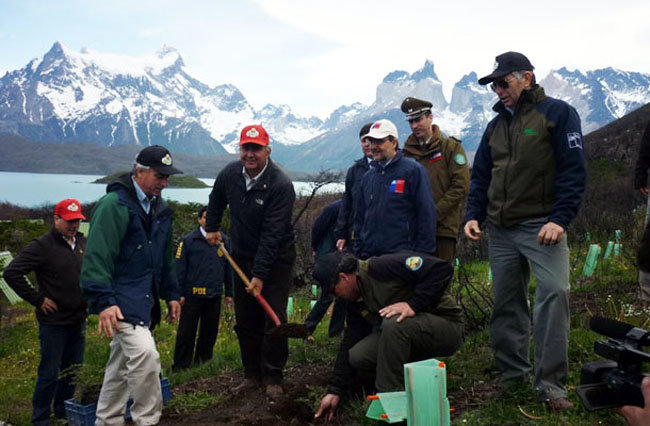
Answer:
(446, 164)
(400, 310)
(202, 273)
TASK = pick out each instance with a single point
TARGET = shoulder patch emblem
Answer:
(574, 139)
(179, 251)
(460, 159)
(414, 263)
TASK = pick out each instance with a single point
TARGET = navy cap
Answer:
(505, 64)
(158, 158)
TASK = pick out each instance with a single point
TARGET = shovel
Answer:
(297, 331)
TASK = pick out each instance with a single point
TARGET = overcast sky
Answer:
(318, 55)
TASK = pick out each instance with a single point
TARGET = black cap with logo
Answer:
(414, 108)
(158, 158)
(505, 64)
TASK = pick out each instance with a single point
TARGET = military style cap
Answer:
(158, 158)
(506, 63)
(415, 108)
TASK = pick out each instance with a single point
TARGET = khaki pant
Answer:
(132, 370)
(514, 252)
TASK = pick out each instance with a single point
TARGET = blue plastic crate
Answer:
(80, 415)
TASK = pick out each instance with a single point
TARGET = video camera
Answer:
(616, 381)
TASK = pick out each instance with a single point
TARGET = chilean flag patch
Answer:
(435, 157)
(397, 186)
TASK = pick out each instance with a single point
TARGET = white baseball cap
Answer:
(381, 129)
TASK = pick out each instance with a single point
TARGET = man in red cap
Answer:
(56, 259)
(261, 197)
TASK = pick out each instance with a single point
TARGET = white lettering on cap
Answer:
(252, 133)
(73, 207)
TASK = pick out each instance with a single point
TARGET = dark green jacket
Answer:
(129, 259)
(446, 164)
(530, 164)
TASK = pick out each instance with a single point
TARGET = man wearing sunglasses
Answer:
(446, 164)
(528, 181)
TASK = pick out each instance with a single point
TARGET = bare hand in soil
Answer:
(327, 407)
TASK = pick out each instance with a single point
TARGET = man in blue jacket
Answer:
(345, 220)
(202, 272)
(528, 181)
(395, 210)
(128, 265)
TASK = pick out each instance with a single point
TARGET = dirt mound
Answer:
(302, 385)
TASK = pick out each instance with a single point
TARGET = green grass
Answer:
(471, 368)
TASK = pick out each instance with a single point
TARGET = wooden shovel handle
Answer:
(260, 299)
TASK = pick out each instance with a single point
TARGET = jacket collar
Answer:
(413, 147)
(531, 96)
(396, 158)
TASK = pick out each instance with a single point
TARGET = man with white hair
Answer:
(128, 265)
(394, 209)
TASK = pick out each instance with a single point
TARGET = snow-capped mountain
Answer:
(110, 100)
(600, 96)
(113, 100)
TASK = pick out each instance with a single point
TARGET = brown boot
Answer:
(558, 405)
(274, 392)
(247, 385)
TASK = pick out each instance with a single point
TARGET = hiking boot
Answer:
(274, 392)
(558, 405)
(246, 385)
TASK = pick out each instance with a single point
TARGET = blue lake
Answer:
(35, 189)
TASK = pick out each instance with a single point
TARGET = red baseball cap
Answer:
(254, 134)
(69, 209)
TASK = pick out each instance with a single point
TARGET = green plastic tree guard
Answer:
(314, 290)
(609, 249)
(10, 294)
(290, 307)
(587, 237)
(617, 235)
(591, 261)
(312, 304)
(489, 274)
(424, 401)
(617, 249)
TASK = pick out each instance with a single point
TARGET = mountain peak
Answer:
(425, 72)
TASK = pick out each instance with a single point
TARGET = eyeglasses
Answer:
(504, 84)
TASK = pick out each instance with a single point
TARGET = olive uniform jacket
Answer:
(446, 164)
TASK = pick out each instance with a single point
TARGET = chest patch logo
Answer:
(460, 159)
(397, 186)
(530, 132)
(574, 139)
(414, 263)
(435, 157)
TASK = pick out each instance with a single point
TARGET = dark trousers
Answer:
(263, 354)
(337, 322)
(205, 311)
(446, 249)
(62, 346)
